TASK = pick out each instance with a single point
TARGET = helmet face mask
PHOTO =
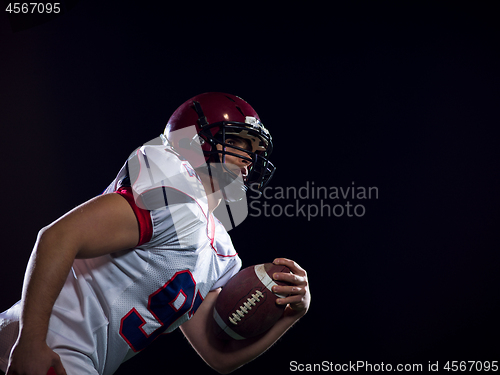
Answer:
(261, 169)
(234, 119)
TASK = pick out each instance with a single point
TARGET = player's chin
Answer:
(237, 173)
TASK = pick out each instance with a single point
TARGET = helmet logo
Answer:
(256, 124)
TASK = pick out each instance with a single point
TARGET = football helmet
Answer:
(201, 123)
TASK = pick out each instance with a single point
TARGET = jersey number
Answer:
(167, 304)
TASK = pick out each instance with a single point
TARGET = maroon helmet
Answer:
(207, 120)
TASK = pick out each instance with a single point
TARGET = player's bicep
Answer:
(199, 329)
(102, 225)
(200, 322)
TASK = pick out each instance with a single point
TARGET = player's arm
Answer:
(226, 356)
(102, 225)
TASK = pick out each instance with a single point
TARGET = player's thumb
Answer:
(57, 367)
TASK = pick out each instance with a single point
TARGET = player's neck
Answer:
(212, 190)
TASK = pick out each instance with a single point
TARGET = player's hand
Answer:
(299, 297)
(33, 357)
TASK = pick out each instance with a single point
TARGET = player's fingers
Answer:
(58, 367)
(296, 300)
(289, 290)
(59, 370)
(290, 278)
(292, 265)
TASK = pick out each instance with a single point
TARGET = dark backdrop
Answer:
(403, 98)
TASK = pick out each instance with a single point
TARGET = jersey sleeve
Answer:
(226, 255)
(143, 216)
(233, 268)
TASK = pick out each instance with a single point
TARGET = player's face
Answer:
(236, 163)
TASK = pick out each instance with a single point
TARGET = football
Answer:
(246, 306)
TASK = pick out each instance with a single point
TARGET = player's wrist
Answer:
(293, 315)
(32, 336)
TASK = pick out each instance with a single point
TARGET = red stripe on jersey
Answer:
(143, 216)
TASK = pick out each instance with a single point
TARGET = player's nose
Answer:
(243, 162)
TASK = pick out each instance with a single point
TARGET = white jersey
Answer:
(113, 306)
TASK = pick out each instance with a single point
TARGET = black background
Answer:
(402, 97)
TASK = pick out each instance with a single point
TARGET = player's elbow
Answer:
(45, 234)
(223, 362)
(49, 234)
(54, 239)
(223, 368)
(225, 371)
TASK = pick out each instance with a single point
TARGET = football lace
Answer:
(251, 301)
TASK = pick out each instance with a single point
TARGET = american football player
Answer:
(148, 256)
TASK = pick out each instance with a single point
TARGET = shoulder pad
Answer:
(159, 177)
